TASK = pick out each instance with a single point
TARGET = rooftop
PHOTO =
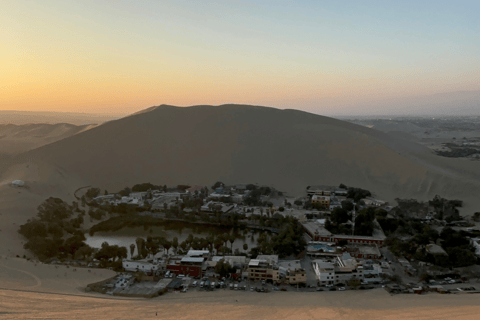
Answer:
(191, 260)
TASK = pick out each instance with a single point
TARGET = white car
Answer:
(341, 289)
(329, 285)
(451, 281)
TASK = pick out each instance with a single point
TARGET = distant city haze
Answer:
(329, 58)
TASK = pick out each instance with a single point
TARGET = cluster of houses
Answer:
(332, 198)
(157, 199)
(200, 263)
(339, 265)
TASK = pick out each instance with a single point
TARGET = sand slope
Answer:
(15, 139)
(17, 205)
(286, 148)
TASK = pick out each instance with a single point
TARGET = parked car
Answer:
(319, 289)
(451, 281)
(263, 282)
(333, 289)
(202, 284)
(184, 290)
(235, 287)
(329, 285)
(251, 289)
(276, 289)
(244, 287)
(231, 286)
(194, 284)
(283, 289)
(341, 289)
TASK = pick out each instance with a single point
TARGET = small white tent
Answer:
(18, 183)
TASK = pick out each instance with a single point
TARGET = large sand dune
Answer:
(288, 149)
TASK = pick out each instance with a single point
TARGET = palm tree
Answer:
(231, 238)
(132, 250)
(175, 244)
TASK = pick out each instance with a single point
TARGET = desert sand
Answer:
(50, 117)
(15, 139)
(30, 290)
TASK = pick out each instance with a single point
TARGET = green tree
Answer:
(84, 252)
(339, 215)
(223, 268)
(92, 193)
(140, 247)
(175, 244)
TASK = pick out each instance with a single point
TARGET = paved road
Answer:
(396, 268)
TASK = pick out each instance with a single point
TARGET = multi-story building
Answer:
(187, 265)
(321, 199)
(292, 271)
(262, 270)
(339, 270)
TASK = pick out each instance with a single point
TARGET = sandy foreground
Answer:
(30, 290)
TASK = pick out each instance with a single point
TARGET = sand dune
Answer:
(50, 117)
(288, 149)
(15, 139)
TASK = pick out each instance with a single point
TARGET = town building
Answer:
(321, 199)
(435, 249)
(192, 266)
(146, 266)
(476, 244)
(372, 202)
(292, 271)
(198, 253)
(259, 269)
(364, 252)
(339, 270)
(319, 233)
(194, 189)
(138, 195)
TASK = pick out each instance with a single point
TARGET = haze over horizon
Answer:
(351, 58)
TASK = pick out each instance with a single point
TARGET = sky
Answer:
(325, 57)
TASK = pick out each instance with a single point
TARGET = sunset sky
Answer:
(325, 57)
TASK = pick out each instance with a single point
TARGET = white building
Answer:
(338, 270)
(198, 253)
(476, 243)
(141, 265)
(138, 195)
